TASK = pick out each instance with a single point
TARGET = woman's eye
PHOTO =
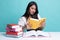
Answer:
(32, 8)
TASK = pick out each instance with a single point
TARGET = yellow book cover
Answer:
(35, 23)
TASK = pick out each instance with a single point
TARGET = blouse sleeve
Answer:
(22, 21)
(39, 16)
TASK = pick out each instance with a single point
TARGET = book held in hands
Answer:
(35, 23)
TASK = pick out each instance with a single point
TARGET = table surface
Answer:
(53, 36)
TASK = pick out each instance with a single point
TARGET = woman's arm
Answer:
(22, 22)
(43, 24)
(28, 25)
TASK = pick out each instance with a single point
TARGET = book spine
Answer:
(14, 33)
(12, 26)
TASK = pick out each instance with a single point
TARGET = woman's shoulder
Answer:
(22, 17)
(22, 21)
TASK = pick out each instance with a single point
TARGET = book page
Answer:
(35, 23)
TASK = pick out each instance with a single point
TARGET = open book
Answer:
(35, 23)
(36, 34)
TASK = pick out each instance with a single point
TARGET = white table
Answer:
(53, 36)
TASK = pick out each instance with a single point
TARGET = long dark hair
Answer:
(27, 13)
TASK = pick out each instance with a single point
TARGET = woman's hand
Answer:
(28, 25)
(43, 24)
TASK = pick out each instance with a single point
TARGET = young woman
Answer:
(31, 12)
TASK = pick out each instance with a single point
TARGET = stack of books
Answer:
(14, 30)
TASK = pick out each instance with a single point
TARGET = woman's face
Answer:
(32, 9)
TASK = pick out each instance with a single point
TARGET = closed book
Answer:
(14, 29)
(15, 36)
(13, 25)
(13, 33)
